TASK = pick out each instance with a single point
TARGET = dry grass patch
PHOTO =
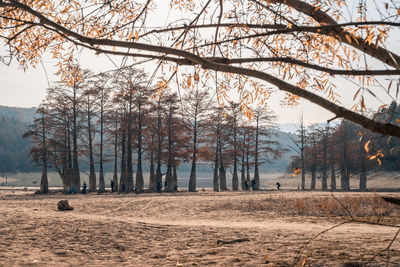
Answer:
(370, 207)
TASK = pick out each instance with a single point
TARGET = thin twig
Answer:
(316, 236)
(387, 248)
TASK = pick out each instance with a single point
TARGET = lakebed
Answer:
(262, 228)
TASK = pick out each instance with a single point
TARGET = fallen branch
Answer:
(239, 240)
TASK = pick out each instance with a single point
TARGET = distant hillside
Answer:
(14, 151)
(23, 114)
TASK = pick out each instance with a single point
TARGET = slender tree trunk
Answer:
(122, 186)
(235, 179)
(248, 165)
(192, 179)
(168, 177)
(345, 182)
(92, 173)
(256, 173)
(115, 175)
(76, 181)
(64, 172)
(303, 170)
(222, 171)
(222, 177)
(363, 169)
(216, 178)
(343, 177)
(324, 166)
(333, 176)
(313, 177)
(102, 186)
(242, 171)
(175, 175)
(314, 165)
(158, 170)
(129, 164)
(69, 168)
(152, 179)
(44, 182)
(139, 173)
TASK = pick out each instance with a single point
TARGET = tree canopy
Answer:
(296, 46)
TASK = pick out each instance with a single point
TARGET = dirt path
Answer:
(177, 230)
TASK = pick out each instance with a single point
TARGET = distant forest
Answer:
(345, 149)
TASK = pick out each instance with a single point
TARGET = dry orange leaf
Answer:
(366, 146)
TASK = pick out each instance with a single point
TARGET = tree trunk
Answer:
(222, 172)
(102, 186)
(363, 169)
(152, 179)
(303, 170)
(44, 182)
(122, 187)
(192, 179)
(324, 167)
(76, 179)
(158, 172)
(314, 165)
(313, 178)
(345, 179)
(69, 163)
(168, 177)
(129, 164)
(222, 177)
(115, 175)
(175, 175)
(92, 173)
(235, 179)
(139, 172)
(256, 173)
(242, 171)
(216, 178)
(248, 166)
(333, 176)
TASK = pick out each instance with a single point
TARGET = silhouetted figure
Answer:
(158, 187)
(278, 185)
(112, 185)
(123, 188)
(253, 184)
(246, 185)
(165, 185)
(176, 187)
(84, 188)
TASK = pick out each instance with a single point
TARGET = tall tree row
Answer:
(121, 118)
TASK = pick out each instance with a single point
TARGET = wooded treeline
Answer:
(14, 150)
(89, 115)
(345, 149)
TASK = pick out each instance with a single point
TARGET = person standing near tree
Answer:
(278, 185)
(84, 189)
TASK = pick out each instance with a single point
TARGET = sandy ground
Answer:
(194, 229)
